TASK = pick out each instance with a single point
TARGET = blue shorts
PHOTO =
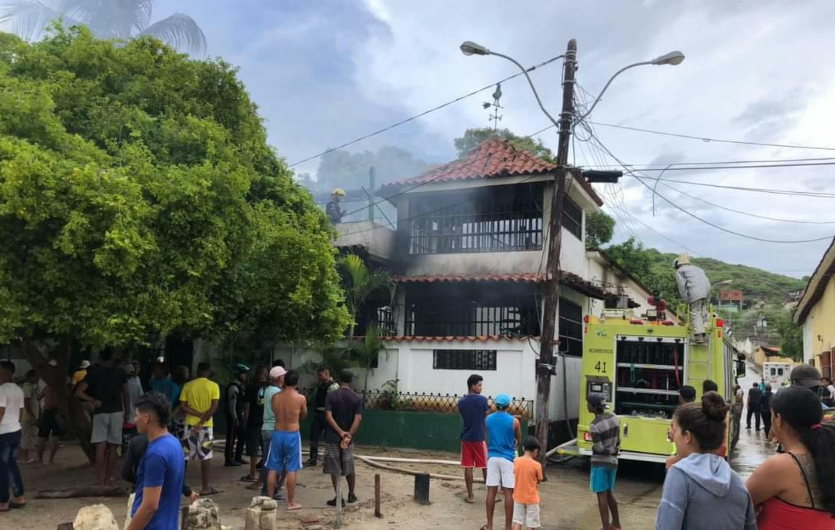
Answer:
(602, 478)
(285, 452)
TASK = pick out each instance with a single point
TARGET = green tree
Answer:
(366, 354)
(139, 196)
(633, 257)
(600, 227)
(473, 137)
(791, 337)
(107, 19)
(360, 283)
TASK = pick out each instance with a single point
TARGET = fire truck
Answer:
(639, 362)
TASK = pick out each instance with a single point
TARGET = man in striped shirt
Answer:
(605, 435)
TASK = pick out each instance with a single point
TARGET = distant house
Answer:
(731, 299)
(765, 354)
(816, 313)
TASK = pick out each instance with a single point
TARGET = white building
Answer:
(468, 257)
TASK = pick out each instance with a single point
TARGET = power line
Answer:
(756, 166)
(424, 113)
(773, 191)
(748, 213)
(709, 140)
(647, 166)
(705, 221)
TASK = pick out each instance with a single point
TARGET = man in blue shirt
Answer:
(504, 435)
(473, 408)
(159, 479)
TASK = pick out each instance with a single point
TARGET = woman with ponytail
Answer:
(701, 490)
(796, 489)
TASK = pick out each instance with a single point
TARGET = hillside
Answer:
(655, 269)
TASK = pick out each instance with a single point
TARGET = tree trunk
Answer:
(55, 376)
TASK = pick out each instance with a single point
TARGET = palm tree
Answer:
(361, 283)
(365, 354)
(107, 19)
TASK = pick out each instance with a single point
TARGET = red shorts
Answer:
(474, 454)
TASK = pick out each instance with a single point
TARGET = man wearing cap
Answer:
(504, 435)
(79, 375)
(808, 377)
(234, 411)
(694, 288)
(605, 436)
(265, 395)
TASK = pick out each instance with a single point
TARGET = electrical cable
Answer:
(424, 113)
(708, 140)
(773, 191)
(705, 221)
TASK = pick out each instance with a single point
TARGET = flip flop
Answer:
(253, 487)
(212, 491)
(294, 508)
(247, 478)
(469, 501)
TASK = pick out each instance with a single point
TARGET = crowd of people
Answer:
(792, 490)
(159, 431)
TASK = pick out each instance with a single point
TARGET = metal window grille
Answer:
(571, 328)
(500, 220)
(433, 312)
(437, 403)
(572, 218)
(464, 360)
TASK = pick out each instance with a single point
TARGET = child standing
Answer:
(605, 435)
(528, 475)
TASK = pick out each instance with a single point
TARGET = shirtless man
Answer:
(290, 409)
(50, 424)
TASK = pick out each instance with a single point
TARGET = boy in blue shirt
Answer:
(159, 478)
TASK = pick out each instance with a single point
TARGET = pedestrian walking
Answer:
(754, 395)
(504, 435)
(234, 411)
(106, 387)
(199, 399)
(605, 436)
(52, 425)
(11, 408)
(135, 391)
(765, 409)
(794, 489)
(694, 289)
(253, 420)
(473, 409)
(527, 472)
(319, 424)
(736, 415)
(290, 408)
(276, 381)
(160, 474)
(701, 490)
(30, 419)
(343, 413)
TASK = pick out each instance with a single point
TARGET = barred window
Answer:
(464, 360)
(508, 218)
(572, 218)
(571, 328)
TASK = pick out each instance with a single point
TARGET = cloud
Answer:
(330, 71)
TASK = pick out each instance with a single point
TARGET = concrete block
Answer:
(96, 517)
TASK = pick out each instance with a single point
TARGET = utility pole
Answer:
(550, 320)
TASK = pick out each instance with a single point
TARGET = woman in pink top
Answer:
(796, 489)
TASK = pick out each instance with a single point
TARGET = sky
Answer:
(325, 72)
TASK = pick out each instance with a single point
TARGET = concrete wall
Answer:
(376, 238)
(821, 322)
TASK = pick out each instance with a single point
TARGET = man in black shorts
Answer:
(51, 423)
(253, 419)
(343, 412)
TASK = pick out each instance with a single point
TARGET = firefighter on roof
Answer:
(694, 288)
(333, 209)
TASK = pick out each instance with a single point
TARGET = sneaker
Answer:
(352, 499)
(280, 497)
(232, 464)
(332, 502)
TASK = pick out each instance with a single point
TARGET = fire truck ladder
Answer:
(699, 363)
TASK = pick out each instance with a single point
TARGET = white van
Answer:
(777, 374)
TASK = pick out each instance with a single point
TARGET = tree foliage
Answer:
(791, 337)
(138, 195)
(360, 284)
(110, 19)
(600, 227)
(473, 137)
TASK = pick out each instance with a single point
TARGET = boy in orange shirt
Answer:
(528, 474)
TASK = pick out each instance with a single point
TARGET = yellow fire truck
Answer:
(639, 363)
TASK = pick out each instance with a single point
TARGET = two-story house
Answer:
(468, 256)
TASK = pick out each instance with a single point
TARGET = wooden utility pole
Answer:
(546, 367)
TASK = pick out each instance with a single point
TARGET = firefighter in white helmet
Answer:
(694, 288)
(333, 209)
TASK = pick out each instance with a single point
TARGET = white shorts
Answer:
(500, 472)
(526, 514)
